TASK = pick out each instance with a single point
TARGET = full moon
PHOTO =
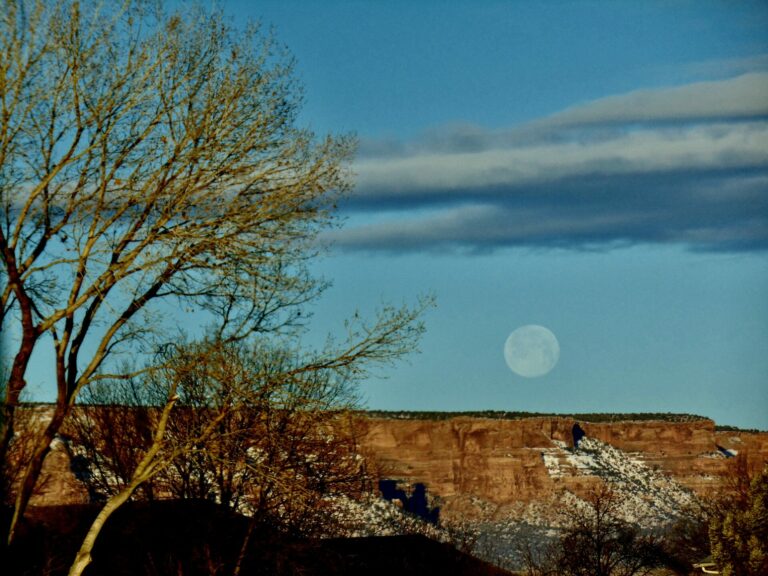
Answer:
(531, 351)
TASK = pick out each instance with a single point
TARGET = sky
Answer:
(597, 168)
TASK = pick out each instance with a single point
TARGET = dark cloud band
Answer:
(579, 179)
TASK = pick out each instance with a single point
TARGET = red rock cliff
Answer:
(501, 460)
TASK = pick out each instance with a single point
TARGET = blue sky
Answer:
(599, 168)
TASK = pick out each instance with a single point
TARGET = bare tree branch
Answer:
(147, 157)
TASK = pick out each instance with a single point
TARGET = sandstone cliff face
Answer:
(496, 460)
(502, 461)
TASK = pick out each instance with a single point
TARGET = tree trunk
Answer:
(244, 548)
(144, 471)
(29, 335)
(35, 466)
(83, 558)
(14, 386)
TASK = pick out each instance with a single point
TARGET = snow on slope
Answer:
(649, 497)
(374, 516)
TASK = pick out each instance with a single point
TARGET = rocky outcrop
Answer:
(502, 461)
(499, 460)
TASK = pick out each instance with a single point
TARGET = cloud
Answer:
(686, 165)
(430, 177)
(716, 212)
(745, 96)
(720, 68)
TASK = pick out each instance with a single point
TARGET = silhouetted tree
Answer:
(686, 541)
(597, 541)
(738, 529)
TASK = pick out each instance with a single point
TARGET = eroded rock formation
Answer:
(502, 461)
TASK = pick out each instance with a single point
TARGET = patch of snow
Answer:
(552, 463)
(713, 455)
(649, 497)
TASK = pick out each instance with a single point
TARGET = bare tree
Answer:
(124, 438)
(279, 414)
(596, 541)
(20, 451)
(286, 433)
(109, 431)
(144, 158)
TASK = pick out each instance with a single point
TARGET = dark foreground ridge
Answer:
(201, 538)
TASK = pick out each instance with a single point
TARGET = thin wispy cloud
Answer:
(721, 68)
(745, 96)
(686, 165)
